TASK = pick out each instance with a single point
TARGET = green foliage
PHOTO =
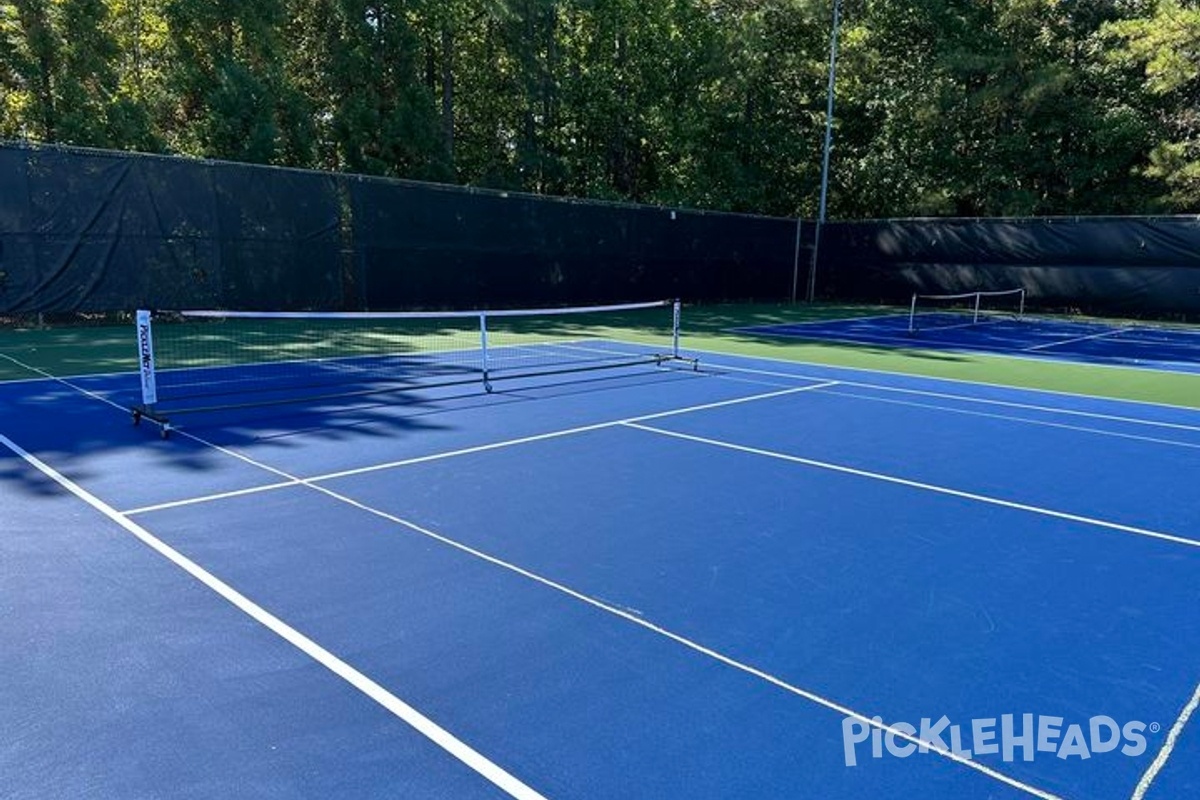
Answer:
(357, 64)
(228, 82)
(30, 51)
(943, 106)
(60, 65)
(1165, 42)
(996, 109)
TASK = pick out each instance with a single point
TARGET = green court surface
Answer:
(84, 350)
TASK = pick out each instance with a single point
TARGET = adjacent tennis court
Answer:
(996, 322)
(691, 574)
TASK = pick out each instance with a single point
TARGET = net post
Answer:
(975, 316)
(483, 349)
(912, 314)
(676, 309)
(145, 340)
(1021, 307)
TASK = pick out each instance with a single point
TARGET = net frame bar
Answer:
(149, 366)
(976, 297)
(426, 315)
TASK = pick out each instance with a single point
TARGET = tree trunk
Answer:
(36, 23)
(448, 93)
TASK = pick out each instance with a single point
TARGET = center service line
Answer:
(483, 448)
(639, 621)
(928, 487)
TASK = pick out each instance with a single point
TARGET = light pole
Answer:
(829, 94)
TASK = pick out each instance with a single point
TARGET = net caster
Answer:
(137, 418)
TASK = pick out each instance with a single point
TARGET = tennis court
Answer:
(729, 577)
(996, 322)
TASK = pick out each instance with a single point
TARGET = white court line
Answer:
(209, 498)
(1010, 418)
(975, 324)
(1143, 336)
(184, 563)
(929, 487)
(65, 382)
(903, 338)
(981, 400)
(418, 721)
(639, 621)
(42, 376)
(909, 342)
(483, 448)
(1164, 330)
(954, 381)
(965, 398)
(981, 350)
(46, 376)
(1010, 355)
(1160, 761)
(1074, 340)
(843, 368)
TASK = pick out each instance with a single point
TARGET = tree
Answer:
(359, 64)
(61, 72)
(1003, 108)
(31, 53)
(87, 89)
(1165, 43)
(507, 74)
(944, 106)
(231, 94)
(757, 138)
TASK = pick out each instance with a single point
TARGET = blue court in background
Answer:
(1143, 345)
(652, 582)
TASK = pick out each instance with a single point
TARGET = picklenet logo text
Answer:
(1011, 737)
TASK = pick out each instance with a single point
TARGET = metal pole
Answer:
(829, 93)
(483, 352)
(676, 310)
(796, 260)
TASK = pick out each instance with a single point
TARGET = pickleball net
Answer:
(945, 311)
(193, 361)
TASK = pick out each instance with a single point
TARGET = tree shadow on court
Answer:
(752, 324)
(92, 439)
(88, 439)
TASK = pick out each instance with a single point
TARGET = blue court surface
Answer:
(759, 579)
(1175, 349)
